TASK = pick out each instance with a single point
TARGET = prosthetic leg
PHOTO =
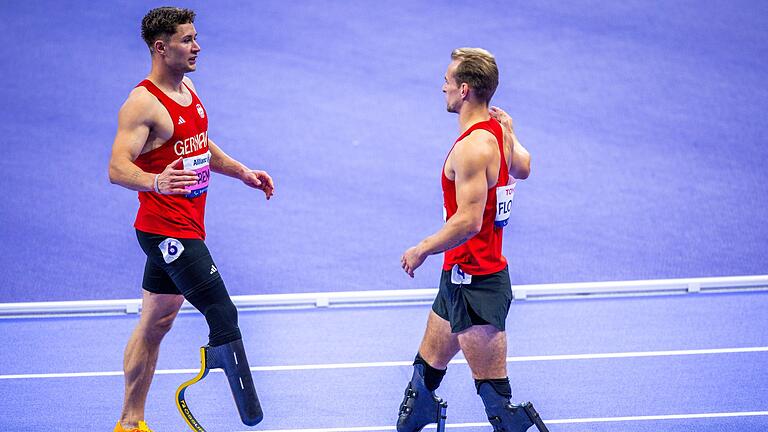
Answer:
(420, 406)
(231, 358)
(505, 416)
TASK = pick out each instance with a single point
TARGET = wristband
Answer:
(157, 189)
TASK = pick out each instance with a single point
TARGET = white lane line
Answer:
(660, 417)
(562, 357)
(343, 429)
(632, 354)
(554, 421)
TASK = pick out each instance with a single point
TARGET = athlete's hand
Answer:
(412, 259)
(173, 180)
(259, 180)
(502, 117)
(506, 124)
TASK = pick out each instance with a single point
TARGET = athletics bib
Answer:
(171, 249)
(458, 276)
(200, 164)
(504, 196)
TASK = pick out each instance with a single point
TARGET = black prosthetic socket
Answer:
(231, 357)
(420, 406)
(501, 385)
(432, 377)
(503, 415)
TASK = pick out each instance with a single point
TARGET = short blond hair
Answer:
(477, 67)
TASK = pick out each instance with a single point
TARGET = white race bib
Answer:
(458, 277)
(171, 249)
(504, 196)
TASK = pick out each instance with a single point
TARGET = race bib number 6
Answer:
(459, 277)
(504, 196)
(200, 164)
(171, 249)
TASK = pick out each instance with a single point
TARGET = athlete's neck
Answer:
(167, 80)
(472, 113)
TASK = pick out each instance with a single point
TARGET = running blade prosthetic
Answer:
(231, 358)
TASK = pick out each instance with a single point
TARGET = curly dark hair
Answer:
(162, 22)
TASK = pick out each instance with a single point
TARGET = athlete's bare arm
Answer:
(520, 165)
(135, 122)
(470, 160)
(222, 163)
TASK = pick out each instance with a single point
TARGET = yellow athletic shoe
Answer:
(142, 428)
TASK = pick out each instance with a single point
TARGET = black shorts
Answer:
(485, 301)
(189, 269)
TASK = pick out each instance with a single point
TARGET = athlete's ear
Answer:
(464, 90)
(159, 46)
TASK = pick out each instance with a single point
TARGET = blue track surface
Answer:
(562, 388)
(645, 122)
(647, 128)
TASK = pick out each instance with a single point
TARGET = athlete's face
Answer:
(453, 92)
(182, 48)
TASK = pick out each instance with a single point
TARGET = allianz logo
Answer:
(201, 161)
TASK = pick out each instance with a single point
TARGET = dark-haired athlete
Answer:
(162, 150)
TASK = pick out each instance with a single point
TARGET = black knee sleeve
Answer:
(222, 321)
(500, 385)
(432, 377)
(212, 300)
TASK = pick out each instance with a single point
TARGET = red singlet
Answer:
(179, 216)
(480, 255)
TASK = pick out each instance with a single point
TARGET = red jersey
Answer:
(179, 216)
(481, 254)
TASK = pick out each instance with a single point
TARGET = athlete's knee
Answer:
(163, 324)
(212, 300)
(155, 328)
(222, 322)
(432, 376)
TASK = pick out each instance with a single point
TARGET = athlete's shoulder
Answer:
(140, 97)
(479, 144)
(139, 107)
(483, 136)
(474, 153)
(188, 81)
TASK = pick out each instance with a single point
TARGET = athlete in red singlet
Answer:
(162, 150)
(481, 254)
(177, 215)
(469, 312)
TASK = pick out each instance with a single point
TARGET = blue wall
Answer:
(646, 122)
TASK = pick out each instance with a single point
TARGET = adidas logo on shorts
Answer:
(213, 269)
